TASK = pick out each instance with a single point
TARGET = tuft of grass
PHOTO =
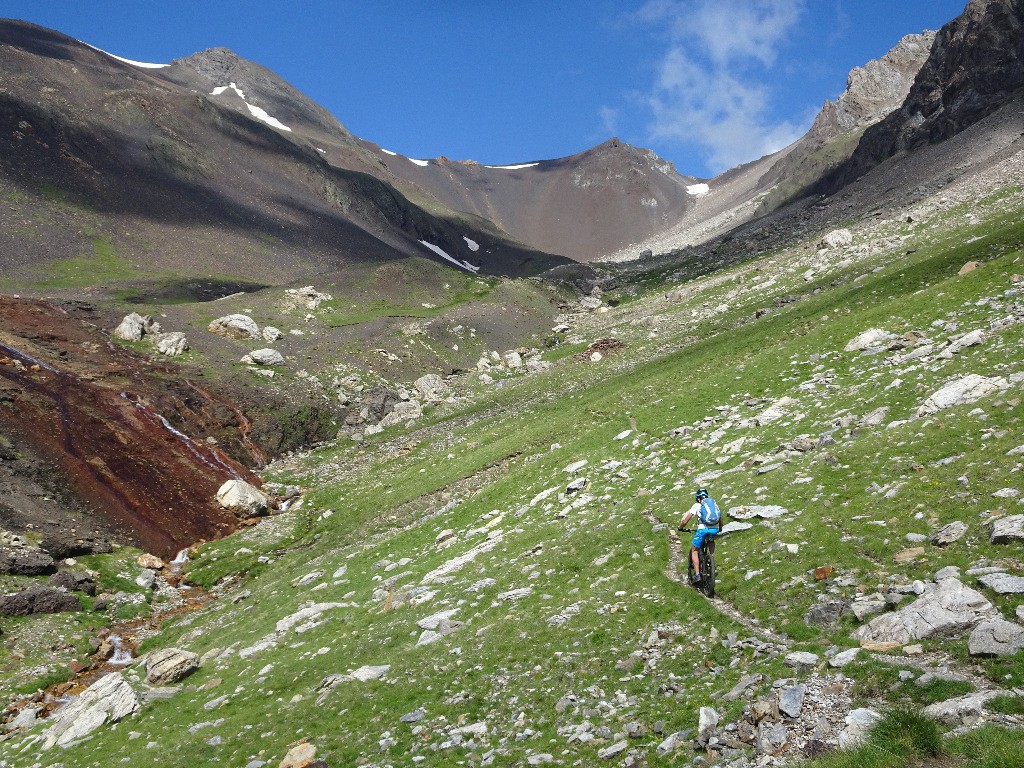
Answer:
(988, 747)
(900, 738)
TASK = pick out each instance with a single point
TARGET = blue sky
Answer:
(707, 84)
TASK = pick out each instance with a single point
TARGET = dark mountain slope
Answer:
(976, 66)
(127, 142)
(581, 206)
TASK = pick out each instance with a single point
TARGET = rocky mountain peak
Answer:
(217, 67)
(976, 65)
(876, 89)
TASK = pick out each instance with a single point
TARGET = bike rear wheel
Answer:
(707, 569)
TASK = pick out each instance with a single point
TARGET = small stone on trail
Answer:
(843, 658)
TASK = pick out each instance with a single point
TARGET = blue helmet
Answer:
(702, 493)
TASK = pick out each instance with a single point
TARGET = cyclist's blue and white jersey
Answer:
(695, 510)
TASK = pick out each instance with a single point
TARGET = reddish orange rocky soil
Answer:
(125, 435)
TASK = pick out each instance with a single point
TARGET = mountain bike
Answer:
(707, 567)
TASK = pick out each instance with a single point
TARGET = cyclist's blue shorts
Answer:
(701, 534)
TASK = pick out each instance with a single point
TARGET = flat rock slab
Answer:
(946, 609)
(968, 389)
(798, 659)
(996, 637)
(954, 711)
(1003, 583)
(370, 672)
(110, 698)
(791, 700)
(734, 527)
(768, 512)
(949, 533)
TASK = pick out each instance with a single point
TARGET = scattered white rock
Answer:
(871, 339)
(263, 357)
(242, 498)
(968, 389)
(235, 327)
(171, 344)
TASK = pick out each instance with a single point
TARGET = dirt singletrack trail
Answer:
(679, 551)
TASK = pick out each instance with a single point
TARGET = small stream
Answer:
(123, 638)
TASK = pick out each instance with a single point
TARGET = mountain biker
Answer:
(709, 524)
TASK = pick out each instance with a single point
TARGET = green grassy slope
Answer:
(557, 606)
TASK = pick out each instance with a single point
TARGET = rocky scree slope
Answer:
(976, 66)
(495, 592)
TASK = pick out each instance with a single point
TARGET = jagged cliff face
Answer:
(975, 67)
(876, 89)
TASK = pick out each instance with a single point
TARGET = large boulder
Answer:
(74, 581)
(307, 298)
(24, 561)
(235, 327)
(134, 326)
(837, 238)
(407, 410)
(962, 391)
(169, 665)
(38, 599)
(242, 498)
(946, 609)
(109, 699)
(996, 637)
(377, 403)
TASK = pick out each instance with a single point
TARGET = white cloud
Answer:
(609, 120)
(712, 83)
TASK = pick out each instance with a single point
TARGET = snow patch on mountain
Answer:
(698, 190)
(473, 245)
(389, 152)
(512, 167)
(258, 112)
(142, 64)
(423, 163)
(457, 262)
